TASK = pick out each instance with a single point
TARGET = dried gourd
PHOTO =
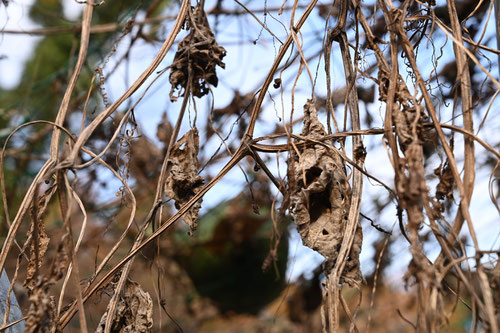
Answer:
(320, 197)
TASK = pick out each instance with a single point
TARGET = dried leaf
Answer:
(183, 181)
(495, 285)
(197, 56)
(238, 104)
(38, 248)
(446, 182)
(41, 313)
(134, 311)
(145, 158)
(62, 259)
(37, 253)
(164, 130)
(321, 197)
(406, 111)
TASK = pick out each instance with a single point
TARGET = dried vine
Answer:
(323, 187)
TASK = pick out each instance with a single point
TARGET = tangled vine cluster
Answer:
(392, 53)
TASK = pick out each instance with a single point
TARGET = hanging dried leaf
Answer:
(183, 181)
(41, 313)
(197, 56)
(238, 105)
(145, 159)
(164, 130)
(446, 182)
(134, 311)
(62, 259)
(494, 278)
(37, 251)
(320, 199)
(38, 241)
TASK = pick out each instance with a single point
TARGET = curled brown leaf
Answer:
(196, 58)
(134, 312)
(41, 312)
(37, 252)
(183, 181)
